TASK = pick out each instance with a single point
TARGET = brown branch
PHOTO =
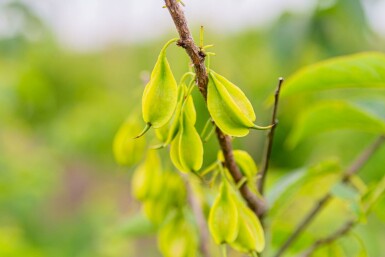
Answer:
(345, 229)
(255, 203)
(197, 57)
(361, 160)
(270, 138)
(200, 218)
(186, 41)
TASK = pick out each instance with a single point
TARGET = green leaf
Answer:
(160, 95)
(333, 115)
(286, 187)
(336, 250)
(345, 192)
(244, 161)
(224, 215)
(362, 252)
(364, 70)
(374, 107)
(251, 236)
(358, 184)
(147, 178)
(229, 107)
(178, 238)
(128, 151)
(374, 194)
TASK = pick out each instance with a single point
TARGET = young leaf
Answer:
(160, 94)
(177, 238)
(224, 216)
(229, 107)
(189, 106)
(174, 190)
(246, 165)
(364, 70)
(168, 132)
(175, 154)
(128, 151)
(155, 210)
(147, 178)
(187, 149)
(250, 237)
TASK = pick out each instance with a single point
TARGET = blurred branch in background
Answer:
(355, 167)
(345, 229)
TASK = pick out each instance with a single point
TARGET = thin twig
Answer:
(197, 57)
(361, 160)
(270, 138)
(200, 218)
(345, 229)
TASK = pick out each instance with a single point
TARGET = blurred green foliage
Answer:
(61, 193)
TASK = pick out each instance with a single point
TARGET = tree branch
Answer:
(270, 138)
(345, 229)
(197, 57)
(255, 203)
(186, 41)
(361, 160)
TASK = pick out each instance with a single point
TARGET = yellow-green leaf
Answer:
(223, 218)
(364, 70)
(160, 95)
(128, 151)
(177, 238)
(190, 146)
(186, 150)
(147, 178)
(229, 107)
(168, 132)
(250, 237)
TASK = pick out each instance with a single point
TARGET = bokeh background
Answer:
(72, 71)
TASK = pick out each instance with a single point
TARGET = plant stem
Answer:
(224, 250)
(270, 137)
(254, 254)
(197, 57)
(361, 160)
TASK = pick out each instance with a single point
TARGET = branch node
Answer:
(181, 43)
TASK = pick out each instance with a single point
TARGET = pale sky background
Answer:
(92, 24)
